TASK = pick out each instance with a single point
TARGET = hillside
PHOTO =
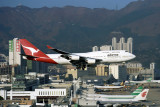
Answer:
(77, 29)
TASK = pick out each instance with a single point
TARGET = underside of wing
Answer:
(78, 61)
(57, 50)
(28, 56)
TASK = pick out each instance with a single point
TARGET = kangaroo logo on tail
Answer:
(31, 49)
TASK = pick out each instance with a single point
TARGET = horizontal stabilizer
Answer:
(28, 56)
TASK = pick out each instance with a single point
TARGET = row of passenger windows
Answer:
(51, 93)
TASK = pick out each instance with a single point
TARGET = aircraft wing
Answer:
(57, 50)
(79, 61)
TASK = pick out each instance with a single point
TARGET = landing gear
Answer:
(82, 66)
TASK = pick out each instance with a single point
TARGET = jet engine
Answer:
(74, 57)
(91, 61)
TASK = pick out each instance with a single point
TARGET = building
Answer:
(89, 72)
(14, 52)
(152, 72)
(35, 66)
(118, 71)
(5, 69)
(41, 96)
(130, 45)
(134, 67)
(14, 56)
(122, 45)
(95, 48)
(20, 83)
(102, 70)
(29, 81)
(105, 47)
(3, 60)
(114, 43)
(53, 93)
(73, 71)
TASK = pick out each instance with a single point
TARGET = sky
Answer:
(109, 4)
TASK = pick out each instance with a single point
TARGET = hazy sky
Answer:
(109, 4)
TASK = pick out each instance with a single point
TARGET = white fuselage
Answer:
(108, 87)
(104, 56)
(111, 96)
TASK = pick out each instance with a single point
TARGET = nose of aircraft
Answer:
(133, 56)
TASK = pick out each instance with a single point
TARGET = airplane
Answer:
(118, 83)
(157, 81)
(108, 87)
(111, 87)
(151, 80)
(80, 60)
(133, 94)
(141, 97)
(137, 91)
(146, 81)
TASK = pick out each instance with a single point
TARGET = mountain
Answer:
(78, 29)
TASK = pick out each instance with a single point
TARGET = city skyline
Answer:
(119, 71)
(121, 45)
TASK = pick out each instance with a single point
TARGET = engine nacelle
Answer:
(74, 57)
(91, 61)
(24, 57)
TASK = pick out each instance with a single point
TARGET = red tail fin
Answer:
(33, 53)
(30, 49)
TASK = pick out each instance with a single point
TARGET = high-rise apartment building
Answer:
(114, 43)
(14, 55)
(130, 44)
(95, 48)
(102, 70)
(118, 71)
(122, 45)
(105, 47)
(14, 52)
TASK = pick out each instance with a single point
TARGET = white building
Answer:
(14, 52)
(130, 45)
(114, 43)
(95, 48)
(50, 92)
(118, 71)
(122, 45)
(152, 65)
(105, 47)
(33, 95)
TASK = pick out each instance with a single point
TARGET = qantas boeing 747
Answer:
(80, 60)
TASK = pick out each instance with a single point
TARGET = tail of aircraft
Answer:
(142, 95)
(122, 83)
(30, 49)
(137, 91)
(33, 53)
